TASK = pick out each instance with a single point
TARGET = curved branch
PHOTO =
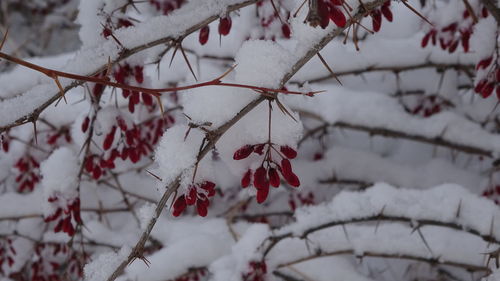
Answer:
(432, 261)
(374, 68)
(381, 131)
(378, 218)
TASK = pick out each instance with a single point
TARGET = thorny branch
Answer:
(125, 53)
(217, 134)
(379, 131)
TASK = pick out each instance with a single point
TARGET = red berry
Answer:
(262, 194)
(245, 181)
(386, 11)
(147, 99)
(202, 207)
(89, 165)
(259, 149)
(204, 34)
(209, 187)
(484, 63)
(243, 152)
(289, 152)
(108, 141)
(286, 30)
(138, 73)
(337, 17)
(191, 196)
(85, 124)
(179, 206)
(376, 20)
(274, 178)
(487, 90)
(225, 26)
(260, 180)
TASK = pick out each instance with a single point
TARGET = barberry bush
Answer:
(250, 140)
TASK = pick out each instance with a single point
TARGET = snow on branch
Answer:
(382, 115)
(312, 40)
(28, 106)
(447, 205)
(399, 223)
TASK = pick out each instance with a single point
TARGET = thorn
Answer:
(344, 228)
(56, 79)
(187, 61)
(360, 259)
(458, 209)
(416, 12)
(227, 72)
(378, 221)
(173, 54)
(328, 67)
(4, 39)
(492, 223)
(108, 68)
(471, 11)
(284, 110)
(298, 10)
(162, 110)
(145, 260)
(153, 175)
(187, 133)
(34, 129)
(423, 240)
(277, 12)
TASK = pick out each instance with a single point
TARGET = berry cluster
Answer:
(107, 29)
(167, 6)
(51, 259)
(62, 132)
(451, 35)
(267, 174)
(271, 15)
(197, 194)
(301, 199)
(493, 193)
(7, 253)
(225, 24)
(377, 13)
(430, 105)
(329, 10)
(126, 74)
(489, 80)
(29, 173)
(257, 272)
(66, 209)
(134, 142)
